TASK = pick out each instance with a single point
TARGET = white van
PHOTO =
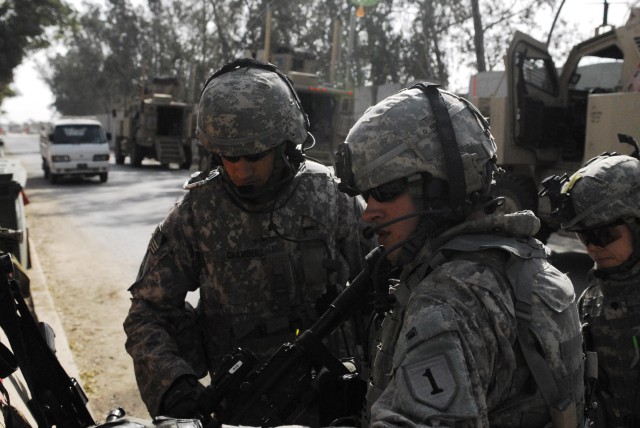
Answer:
(75, 147)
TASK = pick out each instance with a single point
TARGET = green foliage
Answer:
(23, 28)
(115, 48)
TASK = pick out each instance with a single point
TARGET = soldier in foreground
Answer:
(482, 330)
(601, 203)
(266, 237)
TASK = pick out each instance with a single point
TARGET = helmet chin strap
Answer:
(283, 173)
(369, 231)
(411, 245)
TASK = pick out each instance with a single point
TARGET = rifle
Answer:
(56, 399)
(279, 391)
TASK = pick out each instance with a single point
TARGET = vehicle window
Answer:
(79, 134)
(536, 73)
(596, 74)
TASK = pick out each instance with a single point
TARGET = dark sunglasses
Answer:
(601, 236)
(249, 158)
(388, 191)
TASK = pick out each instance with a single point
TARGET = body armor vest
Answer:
(612, 330)
(264, 273)
(559, 355)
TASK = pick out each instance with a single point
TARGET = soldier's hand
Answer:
(186, 398)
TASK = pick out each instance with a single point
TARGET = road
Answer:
(90, 239)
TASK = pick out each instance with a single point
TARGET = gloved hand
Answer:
(186, 398)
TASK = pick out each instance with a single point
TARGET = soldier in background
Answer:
(266, 237)
(601, 204)
(482, 330)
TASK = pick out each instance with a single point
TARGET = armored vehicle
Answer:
(155, 125)
(547, 121)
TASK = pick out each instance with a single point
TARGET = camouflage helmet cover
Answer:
(248, 110)
(398, 138)
(603, 191)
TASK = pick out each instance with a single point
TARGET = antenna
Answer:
(554, 22)
(605, 14)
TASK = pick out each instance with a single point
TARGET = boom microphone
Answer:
(369, 231)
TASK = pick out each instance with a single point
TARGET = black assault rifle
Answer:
(56, 399)
(280, 391)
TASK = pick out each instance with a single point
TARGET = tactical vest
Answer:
(264, 273)
(612, 321)
(553, 356)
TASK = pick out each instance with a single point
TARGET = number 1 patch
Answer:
(431, 382)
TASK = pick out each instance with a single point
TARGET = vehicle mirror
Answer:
(575, 78)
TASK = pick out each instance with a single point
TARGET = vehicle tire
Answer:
(118, 152)
(519, 192)
(45, 168)
(188, 158)
(54, 178)
(103, 177)
(136, 154)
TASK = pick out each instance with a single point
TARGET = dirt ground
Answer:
(89, 293)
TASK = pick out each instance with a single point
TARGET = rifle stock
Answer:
(279, 391)
(56, 399)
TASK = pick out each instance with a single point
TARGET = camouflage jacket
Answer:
(610, 311)
(263, 273)
(448, 353)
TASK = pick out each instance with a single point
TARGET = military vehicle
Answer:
(154, 125)
(548, 122)
(14, 237)
(328, 105)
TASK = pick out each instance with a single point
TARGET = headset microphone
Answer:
(369, 231)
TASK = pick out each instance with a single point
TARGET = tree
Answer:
(23, 25)
(397, 41)
(102, 61)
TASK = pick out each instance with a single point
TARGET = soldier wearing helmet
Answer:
(480, 330)
(266, 237)
(601, 203)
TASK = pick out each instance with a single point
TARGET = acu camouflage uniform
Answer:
(262, 272)
(605, 189)
(477, 304)
(610, 310)
(448, 352)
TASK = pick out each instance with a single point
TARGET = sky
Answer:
(34, 99)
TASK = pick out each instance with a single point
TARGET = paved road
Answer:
(90, 238)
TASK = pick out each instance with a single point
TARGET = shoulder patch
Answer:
(200, 178)
(157, 238)
(431, 382)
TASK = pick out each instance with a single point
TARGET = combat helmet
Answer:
(426, 132)
(247, 107)
(604, 190)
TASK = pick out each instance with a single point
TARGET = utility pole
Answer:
(267, 35)
(335, 48)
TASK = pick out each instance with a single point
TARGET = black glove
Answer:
(186, 398)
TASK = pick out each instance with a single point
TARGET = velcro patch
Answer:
(431, 382)
(156, 240)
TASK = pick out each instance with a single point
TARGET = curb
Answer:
(46, 311)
